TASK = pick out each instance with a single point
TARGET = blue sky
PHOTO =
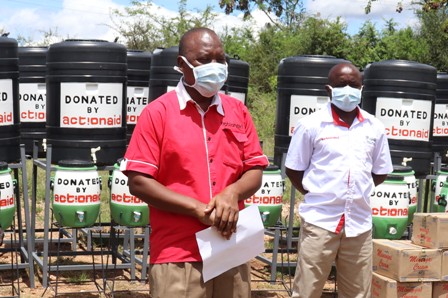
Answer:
(90, 18)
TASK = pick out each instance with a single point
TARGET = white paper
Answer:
(219, 254)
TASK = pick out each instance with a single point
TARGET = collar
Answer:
(183, 97)
(338, 121)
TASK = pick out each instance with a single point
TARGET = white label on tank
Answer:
(404, 118)
(412, 183)
(441, 179)
(120, 194)
(6, 192)
(77, 188)
(6, 103)
(440, 124)
(91, 105)
(238, 95)
(33, 99)
(303, 105)
(137, 100)
(389, 200)
(270, 192)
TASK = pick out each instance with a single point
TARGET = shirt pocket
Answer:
(234, 149)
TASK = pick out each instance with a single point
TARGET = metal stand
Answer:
(278, 233)
(42, 257)
(22, 247)
(281, 235)
(129, 251)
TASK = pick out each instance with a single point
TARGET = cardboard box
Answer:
(406, 262)
(430, 230)
(444, 276)
(440, 289)
(384, 287)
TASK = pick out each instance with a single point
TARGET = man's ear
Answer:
(328, 88)
(181, 63)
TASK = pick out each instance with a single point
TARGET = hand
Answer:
(207, 217)
(225, 206)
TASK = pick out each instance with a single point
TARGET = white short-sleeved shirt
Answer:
(338, 162)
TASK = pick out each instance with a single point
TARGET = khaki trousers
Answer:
(184, 280)
(319, 249)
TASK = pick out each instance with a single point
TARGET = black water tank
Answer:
(237, 82)
(138, 72)
(440, 117)
(86, 100)
(163, 77)
(300, 91)
(9, 100)
(32, 96)
(401, 94)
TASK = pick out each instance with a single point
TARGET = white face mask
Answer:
(209, 78)
(345, 98)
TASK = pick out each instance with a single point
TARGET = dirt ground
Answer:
(117, 282)
(112, 282)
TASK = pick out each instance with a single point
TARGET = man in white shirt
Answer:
(336, 157)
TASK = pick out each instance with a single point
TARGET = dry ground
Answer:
(118, 281)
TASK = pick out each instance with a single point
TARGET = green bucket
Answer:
(7, 199)
(390, 208)
(409, 177)
(269, 198)
(125, 208)
(440, 194)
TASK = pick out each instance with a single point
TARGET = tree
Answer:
(426, 5)
(434, 31)
(371, 45)
(287, 12)
(144, 29)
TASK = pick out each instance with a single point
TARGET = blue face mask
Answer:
(209, 78)
(345, 98)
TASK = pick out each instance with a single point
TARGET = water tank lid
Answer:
(3, 165)
(76, 163)
(392, 177)
(402, 169)
(272, 168)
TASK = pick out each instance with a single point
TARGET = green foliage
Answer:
(434, 32)
(370, 45)
(262, 107)
(323, 37)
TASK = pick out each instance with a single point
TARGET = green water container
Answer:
(439, 203)
(390, 208)
(125, 208)
(76, 193)
(7, 200)
(442, 198)
(409, 177)
(269, 197)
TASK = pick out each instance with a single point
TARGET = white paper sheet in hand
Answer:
(219, 254)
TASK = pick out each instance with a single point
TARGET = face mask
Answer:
(345, 98)
(209, 78)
